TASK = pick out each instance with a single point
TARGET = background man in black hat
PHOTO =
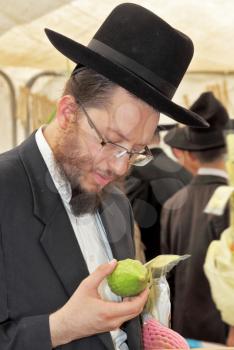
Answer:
(150, 186)
(60, 215)
(187, 229)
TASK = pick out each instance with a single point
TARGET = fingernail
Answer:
(112, 262)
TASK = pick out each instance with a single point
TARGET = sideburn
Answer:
(70, 164)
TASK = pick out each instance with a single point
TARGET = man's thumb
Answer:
(100, 273)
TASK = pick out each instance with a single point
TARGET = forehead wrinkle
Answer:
(118, 132)
(134, 131)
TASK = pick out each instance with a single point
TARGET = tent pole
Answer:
(12, 106)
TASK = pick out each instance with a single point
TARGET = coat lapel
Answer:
(118, 225)
(66, 257)
(62, 249)
(58, 238)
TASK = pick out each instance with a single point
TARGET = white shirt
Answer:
(212, 171)
(88, 229)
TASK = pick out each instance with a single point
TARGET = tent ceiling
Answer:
(209, 23)
(13, 14)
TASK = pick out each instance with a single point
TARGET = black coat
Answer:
(187, 230)
(148, 188)
(41, 263)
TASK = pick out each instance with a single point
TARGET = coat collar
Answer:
(45, 194)
(61, 183)
(208, 179)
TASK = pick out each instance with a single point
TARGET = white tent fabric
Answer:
(209, 23)
(26, 51)
(13, 14)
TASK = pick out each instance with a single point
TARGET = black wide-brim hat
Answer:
(193, 139)
(139, 51)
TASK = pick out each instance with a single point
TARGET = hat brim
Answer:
(181, 139)
(79, 53)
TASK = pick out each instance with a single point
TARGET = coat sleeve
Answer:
(165, 245)
(22, 334)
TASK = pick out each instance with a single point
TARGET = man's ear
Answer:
(66, 111)
(178, 153)
(192, 156)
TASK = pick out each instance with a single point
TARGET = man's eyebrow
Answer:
(109, 129)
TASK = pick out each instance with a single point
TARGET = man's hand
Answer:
(230, 338)
(87, 314)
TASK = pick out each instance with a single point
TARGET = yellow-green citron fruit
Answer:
(129, 278)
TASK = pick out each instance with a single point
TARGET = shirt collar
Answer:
(63, 186)
(212, 171)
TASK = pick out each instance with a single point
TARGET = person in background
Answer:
(139, 246)
(186, 229)
(62, 219)
(149, 187)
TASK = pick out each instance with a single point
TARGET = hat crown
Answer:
(212, 110)
(145, 38)
(140, 52)
(193, 139)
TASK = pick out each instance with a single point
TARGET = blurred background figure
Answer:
(185, 228)
(149, 187)
(139, 246)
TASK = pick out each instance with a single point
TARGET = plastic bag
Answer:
(156, 317)
(158, 305)
(219, 269)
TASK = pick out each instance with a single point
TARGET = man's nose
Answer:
(119, 166)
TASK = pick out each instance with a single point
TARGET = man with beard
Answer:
(62, 219)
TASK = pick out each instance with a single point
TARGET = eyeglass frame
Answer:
(104, 141)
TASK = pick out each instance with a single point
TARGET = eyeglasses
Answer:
(113, 149)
